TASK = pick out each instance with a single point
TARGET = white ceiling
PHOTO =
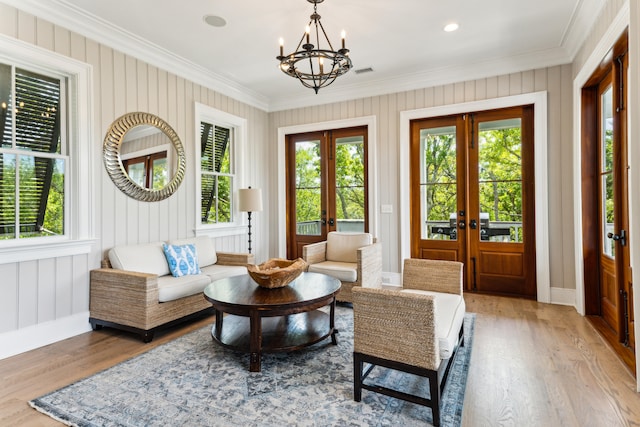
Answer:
(402, 41)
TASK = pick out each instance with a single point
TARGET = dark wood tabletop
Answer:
(261, 320)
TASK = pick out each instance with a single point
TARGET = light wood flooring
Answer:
(532, 365)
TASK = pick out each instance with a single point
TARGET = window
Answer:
(33, 154)
(217, 174)
(219, 147)
(46, 154)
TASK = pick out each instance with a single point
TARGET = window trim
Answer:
(80, 206)
(239, 127)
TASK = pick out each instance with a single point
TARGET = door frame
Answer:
(281, 205)
(539, 100)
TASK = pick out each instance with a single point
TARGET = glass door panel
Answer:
(607, 204)
(349, 179)
(500, 180)
(438, 183)
(308, 191)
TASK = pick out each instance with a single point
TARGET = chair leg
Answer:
(357, 377)
(434, 391)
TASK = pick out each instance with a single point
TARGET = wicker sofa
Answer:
(135, 290)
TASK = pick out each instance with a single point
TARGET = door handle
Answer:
(473, 224)
(331, 222)
(461, 225)
(622, 237)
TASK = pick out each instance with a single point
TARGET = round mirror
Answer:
(144, 157)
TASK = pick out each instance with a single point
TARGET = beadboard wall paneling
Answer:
(47, 290)
(555, 80)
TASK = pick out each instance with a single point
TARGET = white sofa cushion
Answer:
(205, 249)
(450, 309)
(343, 271)
(143, 258)
(217, 271)
(343, 247)
(172, 288)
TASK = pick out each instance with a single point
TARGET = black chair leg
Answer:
(357, 377)
(434, 391)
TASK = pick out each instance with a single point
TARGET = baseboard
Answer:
(562, 296)
(29, 338)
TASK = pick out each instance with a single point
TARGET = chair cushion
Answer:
(450, 309)
(343, 271)
(205, 248)
(144, 258)
(217, 271)
(182, 259)
(172, 288)
(343, 247)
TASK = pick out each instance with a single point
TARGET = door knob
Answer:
(473, 224)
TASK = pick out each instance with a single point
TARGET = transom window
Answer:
(33, 155)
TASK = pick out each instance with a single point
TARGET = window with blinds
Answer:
(217, 175)
(33, 155)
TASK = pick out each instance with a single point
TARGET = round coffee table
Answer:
(261, 320)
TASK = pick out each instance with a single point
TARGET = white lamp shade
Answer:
(250, 200)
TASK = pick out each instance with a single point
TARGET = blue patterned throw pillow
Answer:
(182, 259)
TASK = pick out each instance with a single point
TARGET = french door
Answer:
(326, 185)
(608, 284)
(472, 197)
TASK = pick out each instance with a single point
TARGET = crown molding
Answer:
(582, 20)
(62, 13)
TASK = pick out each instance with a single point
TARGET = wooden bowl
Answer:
(277, 272)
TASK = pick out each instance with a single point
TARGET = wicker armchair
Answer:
(416, 329)
(353, 258)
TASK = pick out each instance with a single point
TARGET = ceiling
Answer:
(402, 41)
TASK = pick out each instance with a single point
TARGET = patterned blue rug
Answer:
(192, 381)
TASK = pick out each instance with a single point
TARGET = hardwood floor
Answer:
(532, 365)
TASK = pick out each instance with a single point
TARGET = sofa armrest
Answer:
(122, 296)
(396, 326)
(433, 275)
(234, 258)
(370, 266)
(315, 252)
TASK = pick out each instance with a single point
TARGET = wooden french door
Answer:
(472, 197)
(326, 185)
(608, 284)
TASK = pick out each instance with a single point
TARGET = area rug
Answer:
(192, 381)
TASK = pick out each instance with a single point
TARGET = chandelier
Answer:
(318, 65)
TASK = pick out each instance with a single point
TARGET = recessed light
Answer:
(215, 21)
(451, 27)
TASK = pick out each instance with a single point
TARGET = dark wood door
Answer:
(608, 283)
(326, 185)
(472, 197)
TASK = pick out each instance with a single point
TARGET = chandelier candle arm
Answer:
(307, 62)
